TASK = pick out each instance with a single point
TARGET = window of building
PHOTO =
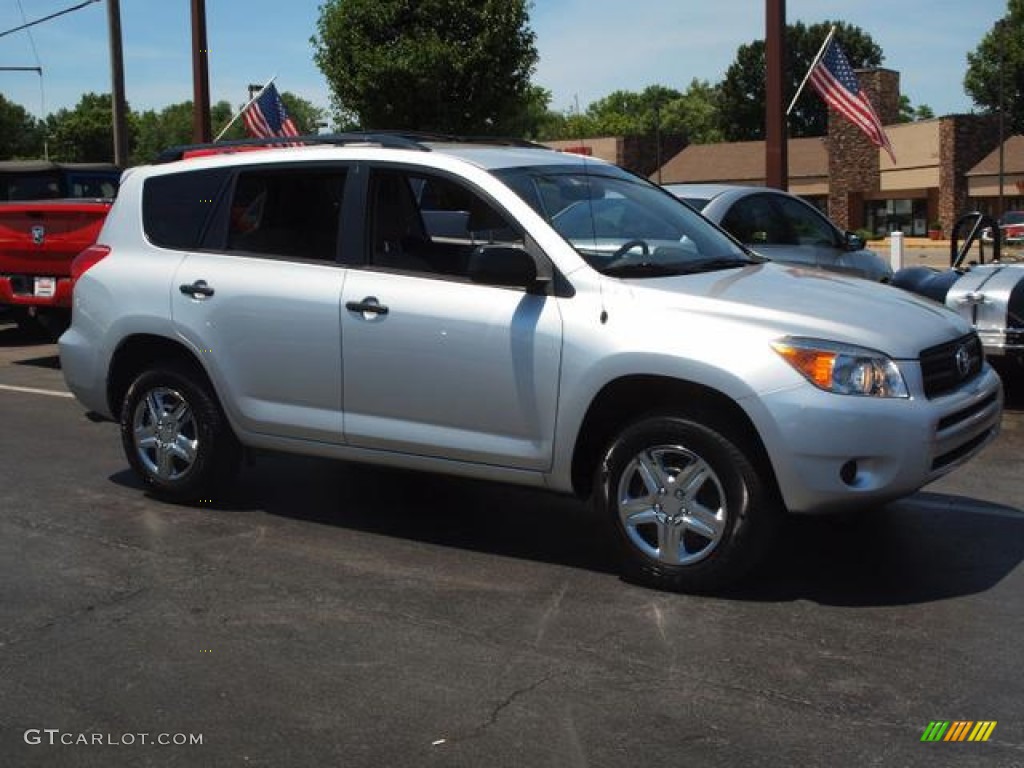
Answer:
(909, 216)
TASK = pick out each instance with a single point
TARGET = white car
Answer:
(784, 228)
(438, 306)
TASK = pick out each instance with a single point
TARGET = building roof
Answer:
(744, 161)
(1013, 159)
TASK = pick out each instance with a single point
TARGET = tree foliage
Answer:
(742, 98)
(909, 113)
(454, 66)
(1001, 50)
(308, 117)
(20, 134)
(692, 113)
(85, 133)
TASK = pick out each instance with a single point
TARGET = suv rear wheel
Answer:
(691, 510)
(175, 434)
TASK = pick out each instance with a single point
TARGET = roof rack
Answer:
(388, 139)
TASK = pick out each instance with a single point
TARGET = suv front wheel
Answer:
(176, 436)
(691, 510)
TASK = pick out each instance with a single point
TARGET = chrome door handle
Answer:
(368, 306)
(198, 289)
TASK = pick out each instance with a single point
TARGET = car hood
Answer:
(776, 300)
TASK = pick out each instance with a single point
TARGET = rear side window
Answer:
(175, 208)
(290, 213)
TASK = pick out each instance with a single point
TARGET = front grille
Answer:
(955, 418)
(960, 451)
(941, 370)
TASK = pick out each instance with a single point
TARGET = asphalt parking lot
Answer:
(338, 615)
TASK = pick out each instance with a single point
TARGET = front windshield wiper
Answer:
(712, 265)
(641, 269)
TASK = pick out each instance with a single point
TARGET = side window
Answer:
(753, 220)
(176, 207)
(810, 228)
(430, 224)
(290, 213)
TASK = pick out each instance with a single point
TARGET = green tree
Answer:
(695, 114)
(909, 113)
(154, 131)
(1000, 51)
(308, 117)
(454, 66)
(20, 134)
(742, 97)
(84, 134)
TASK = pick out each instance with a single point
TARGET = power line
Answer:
(47, 18)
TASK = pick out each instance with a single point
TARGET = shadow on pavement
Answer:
(926, 548)
(433, 509)
(49, 361)
(12, 335)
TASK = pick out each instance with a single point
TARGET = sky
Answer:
(587, 48)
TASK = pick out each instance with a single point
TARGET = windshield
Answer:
(622, 225)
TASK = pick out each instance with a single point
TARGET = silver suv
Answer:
(515, 314)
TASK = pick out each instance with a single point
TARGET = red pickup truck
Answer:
(49, 212)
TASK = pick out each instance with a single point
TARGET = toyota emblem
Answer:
(963, 360)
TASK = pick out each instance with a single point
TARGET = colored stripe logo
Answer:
(958, 730)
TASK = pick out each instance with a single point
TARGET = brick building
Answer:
(944, 167)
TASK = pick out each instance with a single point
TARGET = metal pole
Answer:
(201, 129)
(1001, 27)
(776, 139)
(119, 108)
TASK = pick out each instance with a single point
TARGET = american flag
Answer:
(266, 116)
(834, 79)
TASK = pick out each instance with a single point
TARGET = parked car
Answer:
(990, 295)
(1011, 227)
(783, 228)
(298, 299)
(49, 212)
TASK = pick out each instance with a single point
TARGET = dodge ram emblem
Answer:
(38, 234)
(963, 361)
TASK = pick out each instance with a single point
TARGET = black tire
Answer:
(193, 452)
(691, 510)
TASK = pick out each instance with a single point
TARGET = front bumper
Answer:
(833, 452)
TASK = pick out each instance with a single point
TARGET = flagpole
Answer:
(242, 110)
(821, 52)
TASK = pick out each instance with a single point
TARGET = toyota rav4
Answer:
(443, 305)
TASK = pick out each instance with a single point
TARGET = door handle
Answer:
(368, 306)
(197, 289)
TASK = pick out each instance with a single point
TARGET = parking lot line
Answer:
(34, 391)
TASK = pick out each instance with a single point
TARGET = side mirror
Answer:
(854, 242)
(507, 266)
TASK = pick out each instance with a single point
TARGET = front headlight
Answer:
(842, 368)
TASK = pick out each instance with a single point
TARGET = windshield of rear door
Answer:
(622, 225)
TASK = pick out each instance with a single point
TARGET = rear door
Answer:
(260, 300)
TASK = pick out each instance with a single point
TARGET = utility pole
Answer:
(1001, 29)
(201, 129)
(776, 135)
(118, 105)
